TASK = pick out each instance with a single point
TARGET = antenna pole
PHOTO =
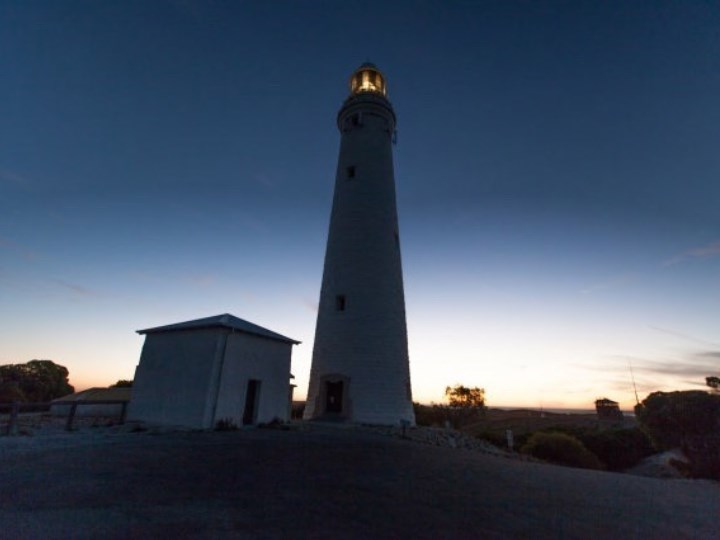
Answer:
(632, 378)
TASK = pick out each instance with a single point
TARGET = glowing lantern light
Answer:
(368, 78)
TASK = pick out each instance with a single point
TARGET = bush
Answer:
(439, 415)
(689, 420)
(297, 410)
(562, 449)
(618, 449)
(225, 424)
(275, 423)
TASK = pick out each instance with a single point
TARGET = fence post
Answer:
(12, 423)
(71, 416)
(123, 412)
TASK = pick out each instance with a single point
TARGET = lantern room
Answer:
(367, 78)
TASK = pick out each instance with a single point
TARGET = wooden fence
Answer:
(17, 407)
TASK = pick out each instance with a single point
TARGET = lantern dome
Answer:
(368, 78)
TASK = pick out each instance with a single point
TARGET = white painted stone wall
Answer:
(367, 342)
(252, 357)
(172, 382)
(194, 378)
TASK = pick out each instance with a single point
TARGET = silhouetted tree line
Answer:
(34, 382)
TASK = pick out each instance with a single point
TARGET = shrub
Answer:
(689, 420)
(439, 415)
(618, 449)
(562, 449)
(495, 438)
(225, 424)
(275, 423)
(297, 410)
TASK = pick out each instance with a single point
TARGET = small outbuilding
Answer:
(200, 372)
(607, 409)
(93, 402)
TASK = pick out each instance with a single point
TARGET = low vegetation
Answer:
(566, 439)
(618, 449)
(226, 424)
(689, 420)
(465, 406)
(562, 449)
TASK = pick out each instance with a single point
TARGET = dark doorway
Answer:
(252, 397)
(333, 397)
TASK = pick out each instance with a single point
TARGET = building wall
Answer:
(252, 357)
(194, 378)
(172, 383)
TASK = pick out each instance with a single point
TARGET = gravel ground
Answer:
(323, 482)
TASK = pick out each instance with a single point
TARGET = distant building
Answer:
(87, 402)
(199, 372)
(607, 409)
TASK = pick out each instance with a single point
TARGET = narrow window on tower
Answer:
(340, 302)
(351, 171)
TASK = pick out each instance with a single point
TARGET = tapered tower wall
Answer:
(360, 367)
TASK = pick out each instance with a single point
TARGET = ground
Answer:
(323, 482)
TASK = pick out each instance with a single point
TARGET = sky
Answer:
(557, 171)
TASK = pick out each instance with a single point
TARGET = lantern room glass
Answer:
(368, 80)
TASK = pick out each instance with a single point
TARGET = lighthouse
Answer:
(360, 367)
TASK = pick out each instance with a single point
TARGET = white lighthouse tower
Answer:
(360, 367)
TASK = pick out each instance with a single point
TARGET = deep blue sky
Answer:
(557, 167)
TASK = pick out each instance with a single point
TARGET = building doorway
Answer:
(334, 397)
(252, 398)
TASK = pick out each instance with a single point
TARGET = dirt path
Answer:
(324, 483)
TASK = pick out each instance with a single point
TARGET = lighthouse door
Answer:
(333, 397)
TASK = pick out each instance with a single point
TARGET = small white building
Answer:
(92, 402)
(197, 373)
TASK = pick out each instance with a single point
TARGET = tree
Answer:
(10, 392)
(462, 396)
(713, 382)
(35, 381)
(122, 383)
(689, 420)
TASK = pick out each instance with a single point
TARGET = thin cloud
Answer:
(626, 385)
(265, 181)
(683, 336)
(24, 252)
(617, 282)
(15, 179)
(79, 289)
(650, 375)
(203, 280)
(695, 367)
(256, 225)
(703, 252)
